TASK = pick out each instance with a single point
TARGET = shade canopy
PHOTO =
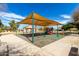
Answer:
(38, 20)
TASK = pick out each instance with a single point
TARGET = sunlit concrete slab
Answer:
(62, 47)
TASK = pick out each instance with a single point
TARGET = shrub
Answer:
(1, 30)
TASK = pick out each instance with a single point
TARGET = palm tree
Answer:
(13, 25)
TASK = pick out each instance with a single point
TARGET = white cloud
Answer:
(64, 21)
(66, 16)
(11, 15)
(9, 19)
(6, 17)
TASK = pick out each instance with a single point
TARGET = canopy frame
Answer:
(44, 22)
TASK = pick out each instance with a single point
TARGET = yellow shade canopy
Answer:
(38, 20)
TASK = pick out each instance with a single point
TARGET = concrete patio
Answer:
(60, 47)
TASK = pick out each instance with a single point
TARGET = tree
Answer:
(6, 27)
(13, 25)
(1, 24)
(68, 26)
(75, 18)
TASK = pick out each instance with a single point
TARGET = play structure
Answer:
(37, 20)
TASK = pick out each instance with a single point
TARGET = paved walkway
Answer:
(19, 46)
(62, 47)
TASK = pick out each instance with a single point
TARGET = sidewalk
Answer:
(62, 47)
(19, 46)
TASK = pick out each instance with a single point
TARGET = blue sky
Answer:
(60, 12)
